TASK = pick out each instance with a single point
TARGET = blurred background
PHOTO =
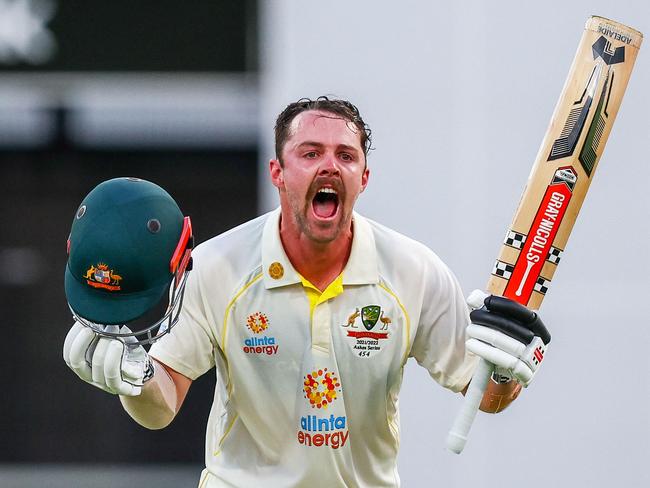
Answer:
(458, 95)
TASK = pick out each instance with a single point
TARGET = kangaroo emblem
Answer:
(89, 274)
(352, 318)
(385, 321)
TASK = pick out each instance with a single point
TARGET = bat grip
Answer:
(457, 436)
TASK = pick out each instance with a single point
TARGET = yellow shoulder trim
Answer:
(407, 338)
(232, 302)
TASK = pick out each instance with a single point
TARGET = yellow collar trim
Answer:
(317, 297)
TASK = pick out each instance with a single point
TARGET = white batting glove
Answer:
(107, 363)
(508, 335)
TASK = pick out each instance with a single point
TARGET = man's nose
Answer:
(329, 166)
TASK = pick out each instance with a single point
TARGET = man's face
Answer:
(324, 172)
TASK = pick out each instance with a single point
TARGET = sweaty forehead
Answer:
(324, 127)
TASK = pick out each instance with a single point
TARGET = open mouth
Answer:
(325, 203)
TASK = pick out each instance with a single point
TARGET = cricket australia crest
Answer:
(364, 342)
(370, 315)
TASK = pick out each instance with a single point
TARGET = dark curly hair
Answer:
(342, 108)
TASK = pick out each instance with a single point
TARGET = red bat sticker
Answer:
(541, 235)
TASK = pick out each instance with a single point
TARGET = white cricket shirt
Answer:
(307, 383)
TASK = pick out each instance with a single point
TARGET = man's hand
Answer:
(108, 364)
(508, 335)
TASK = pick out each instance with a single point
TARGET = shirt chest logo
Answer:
(257, 322)
(321, 389)
(259, 343)
(377, 324)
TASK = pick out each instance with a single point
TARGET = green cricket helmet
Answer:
(129, 246)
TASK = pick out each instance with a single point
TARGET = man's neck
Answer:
(319, 263)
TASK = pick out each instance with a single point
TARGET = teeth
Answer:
(327, 190)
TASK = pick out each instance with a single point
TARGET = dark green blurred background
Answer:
(85, 113)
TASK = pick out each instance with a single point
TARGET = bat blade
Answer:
(561, 175)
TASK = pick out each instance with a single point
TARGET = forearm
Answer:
(157, 404)
(498, 396)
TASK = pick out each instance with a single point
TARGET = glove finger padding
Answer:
(122, 365)
(496, 356)
(69, 339)
(136, 365)
(503, 324)
(476, 299)
(99, 358)
(80, 340)
(517, 314)
(506, 365)
(113, 371)
(497, 339)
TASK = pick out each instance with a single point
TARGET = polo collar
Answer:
(360, 269)
(278, 270)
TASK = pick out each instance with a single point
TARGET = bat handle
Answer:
(457, 436)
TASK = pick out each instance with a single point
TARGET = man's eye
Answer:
(311, 154)
(346, 157)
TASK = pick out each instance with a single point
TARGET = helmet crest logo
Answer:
(101, 276)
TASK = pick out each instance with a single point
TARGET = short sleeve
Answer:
(439, 344)
(189, 347)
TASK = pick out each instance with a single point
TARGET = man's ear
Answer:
(364, 179)
(276, 172)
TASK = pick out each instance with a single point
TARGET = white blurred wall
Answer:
(458, 95)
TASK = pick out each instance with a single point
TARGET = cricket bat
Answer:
(558, 182)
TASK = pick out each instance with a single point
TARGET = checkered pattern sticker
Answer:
(514, 239)
(542, 285)
(504, 270)
(554, 255)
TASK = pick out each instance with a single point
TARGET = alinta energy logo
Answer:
(321, 392)
(259, 344)
(321, 389)
(257, 322)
